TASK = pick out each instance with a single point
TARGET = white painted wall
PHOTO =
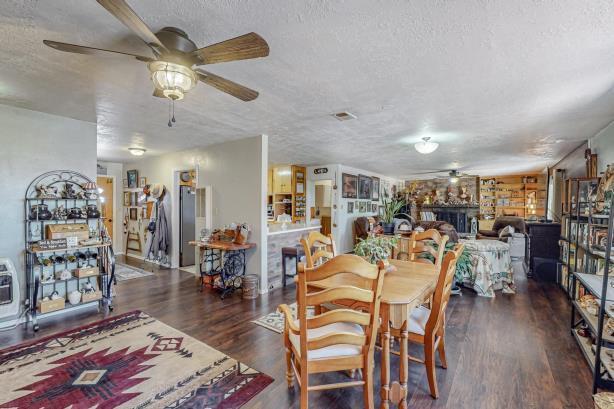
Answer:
(342, 222)
(603, 145)
(32, 143)
(116, 170)
(237, 174)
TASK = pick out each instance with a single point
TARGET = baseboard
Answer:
(149, 261)
(22, 320)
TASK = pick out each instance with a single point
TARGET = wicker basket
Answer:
(604, 400)
(250, 287)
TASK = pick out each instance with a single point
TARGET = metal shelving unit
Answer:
(100, 254)
(600, 354)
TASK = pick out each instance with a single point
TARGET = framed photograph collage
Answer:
(365, 188)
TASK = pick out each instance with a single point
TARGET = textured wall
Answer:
(33, 143)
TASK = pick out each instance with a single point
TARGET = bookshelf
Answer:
(513, 195)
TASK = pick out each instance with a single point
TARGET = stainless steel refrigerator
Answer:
(187, 227)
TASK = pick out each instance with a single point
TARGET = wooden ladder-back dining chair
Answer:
(337, 340)
(318, 248)
(427, 326)
(420, 243)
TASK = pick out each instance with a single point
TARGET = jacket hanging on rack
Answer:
(159, 241)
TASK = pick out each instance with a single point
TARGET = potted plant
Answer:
(374, 249)
(390, 207)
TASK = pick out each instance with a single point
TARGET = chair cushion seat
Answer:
(417, 320)
(332, 351)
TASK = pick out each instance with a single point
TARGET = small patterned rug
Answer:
(275, 321)
(125, 272)
(126, 361)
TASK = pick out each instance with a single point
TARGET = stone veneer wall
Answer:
(275, 242)
(426, 187)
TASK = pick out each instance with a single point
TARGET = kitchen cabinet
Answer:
(282, 180)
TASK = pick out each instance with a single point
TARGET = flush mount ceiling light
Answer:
(137, 151)
(425, 146)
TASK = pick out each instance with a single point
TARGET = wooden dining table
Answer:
(406, 285)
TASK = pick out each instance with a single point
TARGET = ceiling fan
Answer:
(453, 174)
(172, 69)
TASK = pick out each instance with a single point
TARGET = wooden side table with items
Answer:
(223, 262)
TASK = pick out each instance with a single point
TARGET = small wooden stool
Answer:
(295, 252)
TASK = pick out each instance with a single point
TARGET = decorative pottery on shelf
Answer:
(92, 211)
(74, 297)
(40, 212)
(75, 213)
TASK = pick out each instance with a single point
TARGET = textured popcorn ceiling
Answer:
(503, 86)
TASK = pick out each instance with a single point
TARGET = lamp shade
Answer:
(425, 146)
(174, 80)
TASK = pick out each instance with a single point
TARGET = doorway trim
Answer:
(118, 228)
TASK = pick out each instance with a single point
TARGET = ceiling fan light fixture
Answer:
(137, 151)
(174, 80)
(425, 146)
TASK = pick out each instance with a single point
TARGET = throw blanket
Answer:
(490, 267)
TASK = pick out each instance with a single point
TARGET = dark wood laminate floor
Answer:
(514, 351)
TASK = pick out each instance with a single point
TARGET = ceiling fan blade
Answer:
(122, 11)
(227, 86)
(80, 49)
(430, 172)
(240, 48)
(157, 93)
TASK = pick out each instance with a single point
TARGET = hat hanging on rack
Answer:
(157, 190)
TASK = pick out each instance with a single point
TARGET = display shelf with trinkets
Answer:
(591, 288)
(68, 253)
(574, 206)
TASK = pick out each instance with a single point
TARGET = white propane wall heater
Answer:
(9, 289)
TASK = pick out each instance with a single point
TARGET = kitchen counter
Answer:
(278, 239)
(276, 229)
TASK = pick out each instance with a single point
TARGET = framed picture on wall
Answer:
(363, 207)
(134, 213)
(350, 207)
(133, 178)
(364, 187)
(375, 188)
(349, 186)
(142, 181)
(126, 198)
(374, 207)
(125, 183)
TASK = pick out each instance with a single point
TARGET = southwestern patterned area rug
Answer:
(276, 321)
(127, 361)
(125, 272)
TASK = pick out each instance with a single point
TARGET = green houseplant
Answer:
(374, 249)
(390, 207)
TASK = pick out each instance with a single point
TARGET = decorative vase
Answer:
(388, 228)
(75, 213)
(74, 297)
(92, 211)
(40, 212)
